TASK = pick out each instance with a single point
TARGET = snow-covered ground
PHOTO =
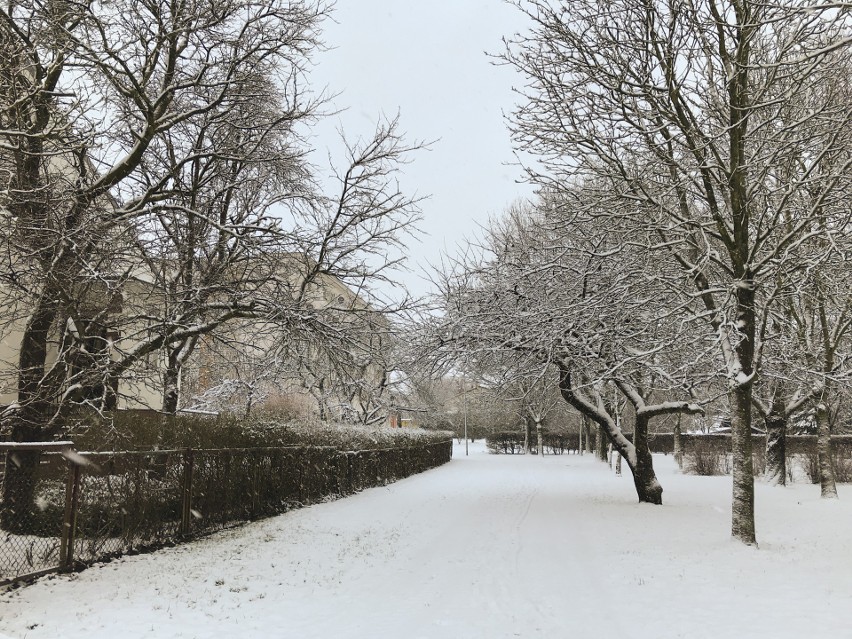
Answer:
(486, 546)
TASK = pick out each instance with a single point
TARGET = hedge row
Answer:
(150, 430)
(796, 444)
(512, 442)
(131, 501)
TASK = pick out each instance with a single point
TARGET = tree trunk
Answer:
(527, 437)
(35, 418)
(323, 406)
(636, 453)
(742, 511)
(178, 355)
(828, 487)
(171, 387)
(580, 440)
(678, 443)
(740, 395)
(776, 449)
(601, 442)
(19, 492)
(250, 401)
(644, 478)
(539, 439)
(587, 434)
(618, 464)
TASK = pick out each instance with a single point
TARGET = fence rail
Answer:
(85, 507)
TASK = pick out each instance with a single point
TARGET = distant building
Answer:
(250, 353)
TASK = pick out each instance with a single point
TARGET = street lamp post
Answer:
(464, 403)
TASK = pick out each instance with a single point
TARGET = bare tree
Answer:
(547, 291)
(213, 237)
(154, 147)
(314, 274)
(537, 396)
(820, 322)
(680, 111)
(87, 96)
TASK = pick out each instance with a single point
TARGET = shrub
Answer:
(843, 469)
(707, 460)
(134, 499)
(512, 442)
(558, 443)
(505, 443)
(809, 463)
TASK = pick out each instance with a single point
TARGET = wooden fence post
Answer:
(69, 520)
(186, 496)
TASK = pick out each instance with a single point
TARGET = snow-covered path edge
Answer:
(486, 546)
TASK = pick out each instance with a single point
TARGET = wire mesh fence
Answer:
(61, 509)
(31, 533)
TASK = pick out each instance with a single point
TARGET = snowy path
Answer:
(486, 547)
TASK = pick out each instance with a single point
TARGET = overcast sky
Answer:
(427, 61)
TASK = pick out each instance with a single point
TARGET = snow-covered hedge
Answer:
(149, 430)
(184, 477)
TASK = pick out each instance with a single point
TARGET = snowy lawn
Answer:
(486, 546)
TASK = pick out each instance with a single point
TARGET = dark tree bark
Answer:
(742, 521)
(177, 356)
(643, 471)
(648, 488)
(776, 449)
(600, 443)
(19, 490)
(580, 439)
(34, 419)
(171, 388)
(828, 485)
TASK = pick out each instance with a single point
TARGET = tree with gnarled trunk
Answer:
(554, 292)
(637, 453)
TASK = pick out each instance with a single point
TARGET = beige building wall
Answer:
(142, 386)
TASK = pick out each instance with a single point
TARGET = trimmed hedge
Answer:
(512, 442)
(150, 430)
(720, 442)
(137, 500)
(706, 454)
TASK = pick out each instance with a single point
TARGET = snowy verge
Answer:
(485, 547)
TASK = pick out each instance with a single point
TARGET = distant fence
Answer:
(92, 506)
(512, 442)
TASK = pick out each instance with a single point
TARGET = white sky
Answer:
(427, 61)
